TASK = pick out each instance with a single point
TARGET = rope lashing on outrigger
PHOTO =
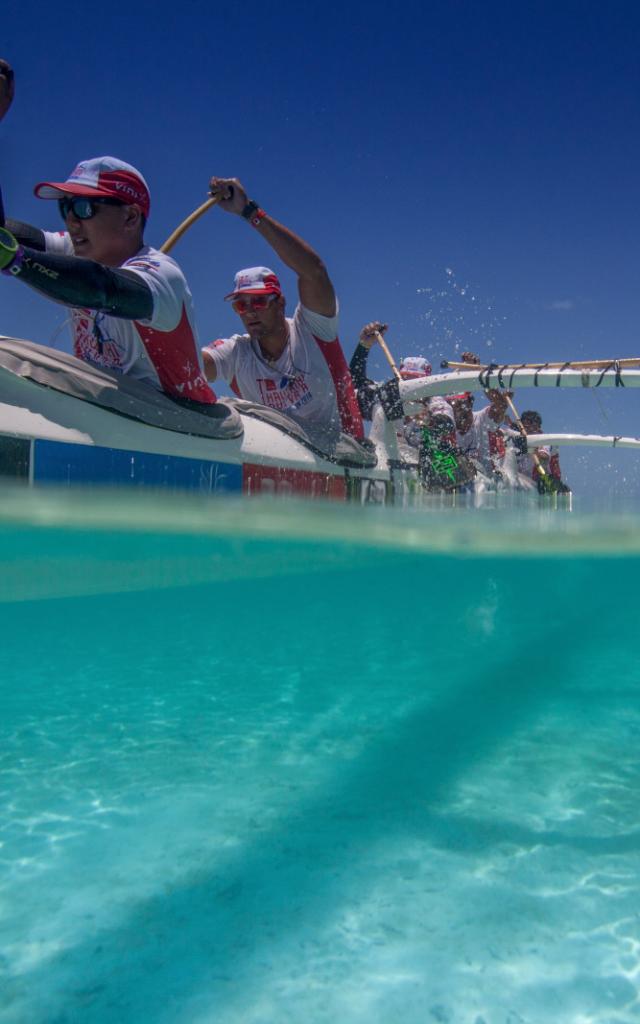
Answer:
(489, 370)
(615, 365)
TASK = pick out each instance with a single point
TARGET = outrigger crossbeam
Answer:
(448, 364)
(509, 377)
(587, 440)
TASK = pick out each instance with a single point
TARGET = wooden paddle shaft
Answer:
(186, 224)
(383, 345)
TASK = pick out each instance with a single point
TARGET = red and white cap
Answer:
(464, 396)
(255, 281)
(413, 367)
(103, 176)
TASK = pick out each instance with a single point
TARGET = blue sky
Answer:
(469, 172)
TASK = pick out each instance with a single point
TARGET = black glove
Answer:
(8, 248)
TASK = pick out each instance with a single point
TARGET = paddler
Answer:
(480, 434)
(431, 432)
(412, 367)
(131, 308)
(370, 392)
(547, 454)
(293, 365)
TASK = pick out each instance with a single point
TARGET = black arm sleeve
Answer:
(369, 393)
(366, 390)
(358, 366)
(77, 282)
(26, 234)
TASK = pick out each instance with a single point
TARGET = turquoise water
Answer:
(271, 763)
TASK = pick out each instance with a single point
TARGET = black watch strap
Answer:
(250, 209)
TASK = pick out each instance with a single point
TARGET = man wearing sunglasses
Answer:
(132, 310)
(294, 365)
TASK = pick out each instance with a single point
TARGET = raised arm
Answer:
(314, 285)
(358, 364)
(6, 87)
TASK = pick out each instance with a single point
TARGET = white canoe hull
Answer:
(50, 437)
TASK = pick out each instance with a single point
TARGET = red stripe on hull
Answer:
(277, 480)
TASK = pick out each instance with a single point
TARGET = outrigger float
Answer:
(66, 422)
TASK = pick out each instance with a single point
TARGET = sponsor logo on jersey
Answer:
(286, 393)
(92, 343)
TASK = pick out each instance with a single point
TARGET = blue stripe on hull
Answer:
(56, 462)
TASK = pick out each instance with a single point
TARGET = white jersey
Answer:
(310, 382)
(484, 441)
(162, 351)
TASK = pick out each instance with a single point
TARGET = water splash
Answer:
(458, 319)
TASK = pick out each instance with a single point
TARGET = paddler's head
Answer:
(258, 300)
(531, 421)
(105, 204)
(499, 403)
(462, 406)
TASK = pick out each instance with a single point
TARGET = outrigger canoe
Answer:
(63, 422)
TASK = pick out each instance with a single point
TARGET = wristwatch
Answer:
(253, 213)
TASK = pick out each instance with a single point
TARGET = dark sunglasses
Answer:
(252, 302)
(84, 208)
